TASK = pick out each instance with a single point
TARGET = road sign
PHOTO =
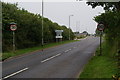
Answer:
(13, 27)
(100, 27)
(59, 37)
(58, 33)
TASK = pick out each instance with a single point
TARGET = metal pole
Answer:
(76, 29)
(42, 25)
(76, 25)
(13, 42)
(100, 43)
(69, 27)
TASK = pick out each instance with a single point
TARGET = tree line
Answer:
(29, 27)
(111, 21)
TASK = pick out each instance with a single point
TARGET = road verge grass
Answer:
(103, 66)
(7, 55)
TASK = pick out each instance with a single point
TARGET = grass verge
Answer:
(7, 55)
(103, 66)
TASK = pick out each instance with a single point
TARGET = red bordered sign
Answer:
(13, 27)
(100, 27)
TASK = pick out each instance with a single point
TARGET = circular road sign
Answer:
(13, 27)
(100, 27)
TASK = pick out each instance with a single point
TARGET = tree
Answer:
(111, 20)
(28, 33)
(115, 6)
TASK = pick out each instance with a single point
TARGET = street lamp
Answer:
(42, 23)
(69, 25)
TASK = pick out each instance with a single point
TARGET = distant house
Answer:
(83, 34)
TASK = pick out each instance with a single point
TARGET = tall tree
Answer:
(115, 6)
(28, 33)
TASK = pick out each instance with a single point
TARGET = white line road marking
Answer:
(66, 50)
(74, 47)
(50, 58)
(79, 45)
(15, 73)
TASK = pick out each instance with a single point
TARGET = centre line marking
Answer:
(15, 73)
(66, 50)
(74, 47)
(50, 58)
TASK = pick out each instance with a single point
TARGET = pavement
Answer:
(64, 61)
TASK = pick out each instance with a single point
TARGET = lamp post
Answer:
(42, 23)
(69, 25)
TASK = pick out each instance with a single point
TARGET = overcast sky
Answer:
(59, 12)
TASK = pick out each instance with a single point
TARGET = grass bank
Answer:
(103, 66)
(7, 55)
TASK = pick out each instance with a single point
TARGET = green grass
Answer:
(99, 67)
(103, 66)
(7, 55)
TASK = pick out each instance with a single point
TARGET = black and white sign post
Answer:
(100, 27)
(13, 27)
(58, 35)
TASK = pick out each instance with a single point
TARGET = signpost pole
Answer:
(100, 43)
(100, 27)
(13, 42)
(13, 27)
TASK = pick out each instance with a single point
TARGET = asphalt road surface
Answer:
(64, 61)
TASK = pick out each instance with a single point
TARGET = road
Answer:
(64, 61)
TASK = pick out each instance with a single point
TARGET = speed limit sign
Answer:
(13, 26)
(100, 27)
